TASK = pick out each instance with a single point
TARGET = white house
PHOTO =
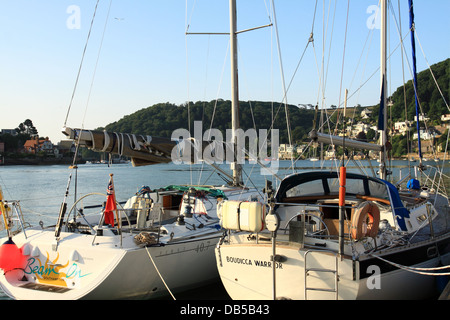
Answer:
(357, 128)
(422, 117)
(12, 132)
(366, 113)
(285, 151)
(401, 127)
(424, 135)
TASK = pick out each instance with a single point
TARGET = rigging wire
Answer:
(411, 73)
(431, 71)
(282, 76)
(217, 98)
(408, 136)
(187, 74)
(286, 89)
(96, 62)
(204, 98)
(90, 89)
(92, 81)
(343, 59)
(363, 84)
(327, 121)
(81, 63)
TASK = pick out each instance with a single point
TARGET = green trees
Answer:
(429, 96)
(163, 118)
(24, 130)
(27, 127)
(399, 146)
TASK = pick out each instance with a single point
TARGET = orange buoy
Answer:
(11, 257)
(365, 221)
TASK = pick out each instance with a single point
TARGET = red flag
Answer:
(110, 206)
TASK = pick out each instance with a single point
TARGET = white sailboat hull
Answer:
(136, 261)
(246, 272)
(106, 271)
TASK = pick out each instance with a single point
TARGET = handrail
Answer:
(369, 198)
(306, 214)
(101, 218)
(76, 202)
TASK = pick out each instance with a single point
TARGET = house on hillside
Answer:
(12, 132)
(401, 127)
(65, 148)
(422, 117)
(357, 128)
(35, 145)
(366, 113)
(285, 151)
(426, 134)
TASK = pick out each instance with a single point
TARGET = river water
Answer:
(41, 189)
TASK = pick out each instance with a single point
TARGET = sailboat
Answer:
(339, 235)
(159, 243)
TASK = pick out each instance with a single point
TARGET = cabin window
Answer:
(352, 186)
(314, 187)
(378, 190)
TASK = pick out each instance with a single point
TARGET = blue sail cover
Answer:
(400, 212)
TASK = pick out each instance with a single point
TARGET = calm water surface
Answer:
(41, 189)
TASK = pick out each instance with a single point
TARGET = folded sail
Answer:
(340, 141)
(148, 150)
(143, 150)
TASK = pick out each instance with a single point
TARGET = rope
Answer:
(431, 71)
(286, 88)
(96, 62)
(162, 279)
(343, 63)
(81, 63)
(417, 270)
(288, 125)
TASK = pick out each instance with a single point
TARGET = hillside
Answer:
(163, 118)
(429, 96)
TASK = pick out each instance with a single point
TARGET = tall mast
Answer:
(237, 170)
(382, 121)
(416, 92)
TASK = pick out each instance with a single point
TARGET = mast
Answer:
(382, 121)
(413, 46)
(235, 167)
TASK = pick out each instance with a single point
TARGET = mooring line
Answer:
(162, 279)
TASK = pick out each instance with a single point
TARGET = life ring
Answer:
(365, 221)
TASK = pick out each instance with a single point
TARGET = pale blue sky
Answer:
(146, 57)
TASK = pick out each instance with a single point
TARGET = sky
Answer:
(138, 54)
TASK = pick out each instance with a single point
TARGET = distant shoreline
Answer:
(44, 162)
(69, 161)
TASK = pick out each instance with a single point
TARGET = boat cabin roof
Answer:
(326, 183)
